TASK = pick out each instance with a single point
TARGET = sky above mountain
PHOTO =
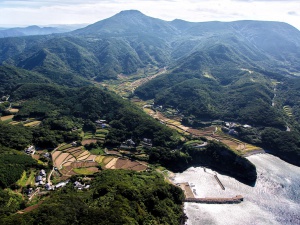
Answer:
(46, 12)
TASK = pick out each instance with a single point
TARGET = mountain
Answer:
(130, 40)
(129, 23)
(31, 30)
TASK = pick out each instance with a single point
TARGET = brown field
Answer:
(91, 158)
(55, 154)
(76, 154)
(60, 159)
(111, 164)
(139, 168)
(67, 163)
(130, 164)
(70, 158)
(119, 163)
(13, 110)
(89, 141)
(93, 169)
(71, 150)
(107, 159)
(84, 164)
(4, 118)
(208, 131)
(32, 124)
(83, 155)
(14, 122)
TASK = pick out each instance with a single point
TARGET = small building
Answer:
(99, 122)
(78, 185)
(30, 150)
(74, 143)
(38, 178)
(48, 187)
(47, 155)
(43, 173)
(147, 142)
(128, 144)
(62, 184)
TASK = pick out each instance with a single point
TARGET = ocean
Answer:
(275, 198)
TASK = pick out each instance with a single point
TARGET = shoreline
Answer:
(254, 152)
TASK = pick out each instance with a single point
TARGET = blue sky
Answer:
(39, 12)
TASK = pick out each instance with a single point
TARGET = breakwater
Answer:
(235, 200)
(219, 182)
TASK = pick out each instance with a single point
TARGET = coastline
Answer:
(255, 152)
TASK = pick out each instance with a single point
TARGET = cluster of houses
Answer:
(101, 123)
(128, 144)
(77, 185)
(50, 187)
(80, 186)
(229, 128)
(40, 178)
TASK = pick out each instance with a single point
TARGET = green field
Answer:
(97, 151)
(27, 179)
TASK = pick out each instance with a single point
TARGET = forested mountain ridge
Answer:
(131, 40)
(31, 30)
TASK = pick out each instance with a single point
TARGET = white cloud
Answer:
(28, 12)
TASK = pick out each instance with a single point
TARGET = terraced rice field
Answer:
(32, 124)
(86, 171)
(13, 110)
(14, 122)
(288, 110)
(5, 118)
(89, 141)
(60, 159)
(66, 157)
(119, 163)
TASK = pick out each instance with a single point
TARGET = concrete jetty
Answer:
(190, 197)
(235, 200)
(219, 182)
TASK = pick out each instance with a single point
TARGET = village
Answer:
(72, 159)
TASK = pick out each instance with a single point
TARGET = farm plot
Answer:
(6, 118)
(86, 171)
(13, 110)
(84, 164)
(60, 159)
(119, 163)
(84, 155)
(32, 124)
(89, 141)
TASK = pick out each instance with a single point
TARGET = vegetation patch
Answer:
(86, 171)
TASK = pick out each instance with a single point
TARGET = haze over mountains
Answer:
(36, 30)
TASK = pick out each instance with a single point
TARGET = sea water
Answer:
(275, 198)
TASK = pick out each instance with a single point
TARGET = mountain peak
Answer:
(130, 12)
(129, 22)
